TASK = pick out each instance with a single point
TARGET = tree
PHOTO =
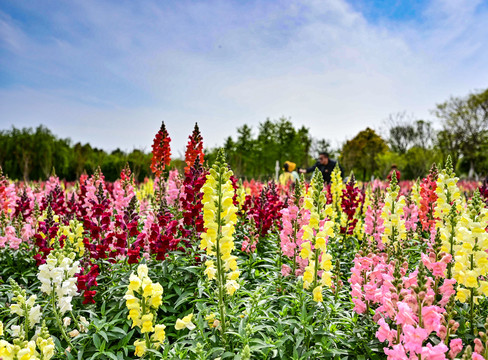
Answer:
(404, 132)
(360, 153)
(465, 126)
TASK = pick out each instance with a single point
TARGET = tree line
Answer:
(414, 144)
(34, 154)
(410, 143)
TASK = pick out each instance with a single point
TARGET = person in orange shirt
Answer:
(289, 173)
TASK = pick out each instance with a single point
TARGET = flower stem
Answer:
(58, 321)
(219, 261)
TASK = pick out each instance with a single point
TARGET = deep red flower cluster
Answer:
(484, 190)
(88, 281)
(161, 151)
(264, 209)
(351, 199)
(194, 149)
(191, 197)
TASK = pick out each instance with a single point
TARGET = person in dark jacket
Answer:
(325, 165)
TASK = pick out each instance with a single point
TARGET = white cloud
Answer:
(114, 71)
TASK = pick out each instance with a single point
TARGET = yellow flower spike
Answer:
(142, 298)
(220, 217)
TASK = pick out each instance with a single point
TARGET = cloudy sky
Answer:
(108, 72)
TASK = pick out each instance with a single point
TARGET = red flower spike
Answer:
(161, 151)
(194, 149)
(428, 198)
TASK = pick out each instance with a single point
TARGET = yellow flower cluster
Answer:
(219, 216)
(448, 209)
(241, 195)
(145, 190)
(315, 235)
(40, 349)
(143, 298)
(336, 187)
(392, 214)
(415, 192)
(448, 193)
(471, 258)
(74, 235)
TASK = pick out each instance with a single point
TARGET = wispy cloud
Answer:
(109, 72)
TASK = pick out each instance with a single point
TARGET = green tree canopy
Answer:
(360, 153)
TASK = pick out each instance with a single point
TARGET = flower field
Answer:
(200, 265)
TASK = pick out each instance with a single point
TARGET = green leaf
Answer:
(97, 341)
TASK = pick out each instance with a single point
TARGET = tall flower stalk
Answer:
(161, 151)
(393, 222)
(315, 236)
(219, 217)
(143, 299)
(471, 258)
(194, 149)
(447, 210)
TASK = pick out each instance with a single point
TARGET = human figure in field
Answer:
(289, 174)
(325, 165)
(394, 168)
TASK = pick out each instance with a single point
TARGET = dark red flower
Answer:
(89, 294)
(161, 151)
(194, 149)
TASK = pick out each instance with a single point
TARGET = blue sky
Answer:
(109, 72)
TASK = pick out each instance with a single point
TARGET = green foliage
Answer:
(360, 153)
(32, 154)
(465, 130)
(255, 156)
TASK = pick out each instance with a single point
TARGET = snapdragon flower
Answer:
(315, 237)
(392, 214)
(57, 276)
(219, 218)
(143, 298)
